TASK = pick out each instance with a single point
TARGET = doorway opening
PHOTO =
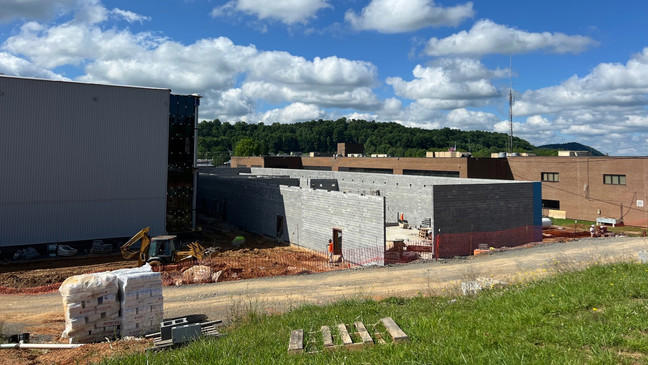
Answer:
(280, 226)
(337, 241)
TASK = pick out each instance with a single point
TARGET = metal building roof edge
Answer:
(84, 83)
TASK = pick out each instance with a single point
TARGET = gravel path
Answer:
(278, 294)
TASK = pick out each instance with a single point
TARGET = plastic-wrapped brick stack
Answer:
(91, 307)
(141, 302)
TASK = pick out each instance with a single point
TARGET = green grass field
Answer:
(599, 315)
(585, 225)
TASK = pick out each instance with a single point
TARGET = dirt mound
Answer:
(260, 257)
(255, 263)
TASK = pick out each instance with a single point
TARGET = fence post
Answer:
(436, 246)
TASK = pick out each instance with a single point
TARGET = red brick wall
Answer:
(581, 191)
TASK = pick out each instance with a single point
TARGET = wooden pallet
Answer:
(296, 342)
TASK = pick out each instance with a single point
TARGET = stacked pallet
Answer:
(141, 302)
(90, 307)
(103, 305)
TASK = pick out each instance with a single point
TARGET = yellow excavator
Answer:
(159, 250)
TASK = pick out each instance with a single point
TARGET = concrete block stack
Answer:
(109, 304)
(141, 302)
(90, 307)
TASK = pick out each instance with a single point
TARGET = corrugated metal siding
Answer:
(80, 161)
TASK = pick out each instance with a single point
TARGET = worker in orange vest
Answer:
(330, 251)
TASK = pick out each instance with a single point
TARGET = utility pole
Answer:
(510, 121)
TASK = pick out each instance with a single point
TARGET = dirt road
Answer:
(278, 294)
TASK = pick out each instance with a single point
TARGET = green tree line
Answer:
(218, 140)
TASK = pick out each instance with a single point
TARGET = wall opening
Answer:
(431, 173)
(337, 241)
(366, 169)
(550, 204)
(280, 226)
(318, 168)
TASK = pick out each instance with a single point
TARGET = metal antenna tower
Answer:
(510, 141)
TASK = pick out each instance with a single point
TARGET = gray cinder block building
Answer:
(307, 208)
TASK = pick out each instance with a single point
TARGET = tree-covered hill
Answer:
(572, 146)
(217, 140)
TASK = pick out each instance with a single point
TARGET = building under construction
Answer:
(307, 208)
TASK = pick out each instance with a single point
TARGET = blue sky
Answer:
(580, 69)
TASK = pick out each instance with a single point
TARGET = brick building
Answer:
(589, 187)
(583, 187)
(345, 149)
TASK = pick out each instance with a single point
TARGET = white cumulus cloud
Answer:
(470, 119)
(487, 37)
(397, 16)
(296, 112)
(16, 66)
(130, 16)
(286, 11)
(449, 83)
(604, 109)
(33, 9)
(236, 76)
(609, 85)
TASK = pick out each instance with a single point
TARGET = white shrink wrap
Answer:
(90, 307)
(141, 302)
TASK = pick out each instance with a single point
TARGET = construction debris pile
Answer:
(125, 302)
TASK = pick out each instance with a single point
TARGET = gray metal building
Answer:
(81, 161)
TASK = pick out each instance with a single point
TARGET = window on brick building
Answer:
(551, 176)
(614, 179)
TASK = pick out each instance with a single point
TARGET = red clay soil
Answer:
(256, 263)
(240, 264)
(49, 330)
(568, 233)
(86, 354)
(34, 279)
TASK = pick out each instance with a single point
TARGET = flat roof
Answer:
(82, 82)
(431, 180)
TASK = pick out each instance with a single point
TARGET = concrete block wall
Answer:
(309, 215)
(468, 211)
(361, 219)
(411, 195)
(251, 204)
(494, 214)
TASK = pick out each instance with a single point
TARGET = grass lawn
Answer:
(599, 315)
(585, 225)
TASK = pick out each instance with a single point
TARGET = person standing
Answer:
(330, 251)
